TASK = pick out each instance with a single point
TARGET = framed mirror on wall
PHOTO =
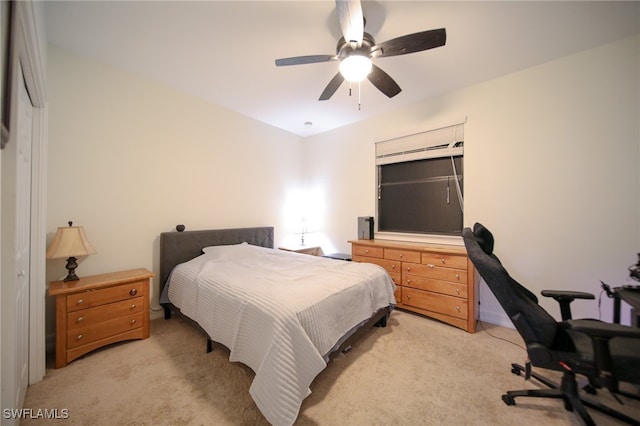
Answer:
(6, 19)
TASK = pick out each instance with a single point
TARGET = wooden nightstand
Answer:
(98, 310)
(312, 250)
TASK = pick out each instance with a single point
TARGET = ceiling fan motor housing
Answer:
(345, 48)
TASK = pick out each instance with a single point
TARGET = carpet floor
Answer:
(416, 371)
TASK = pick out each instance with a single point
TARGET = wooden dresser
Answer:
(98, 310)
(433, 280)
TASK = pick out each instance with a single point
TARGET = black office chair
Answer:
(606, 354)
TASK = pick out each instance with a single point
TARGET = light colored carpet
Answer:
(416, 371)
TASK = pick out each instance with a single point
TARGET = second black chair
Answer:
(606, 354)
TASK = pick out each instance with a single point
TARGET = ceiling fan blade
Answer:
(351, 20)
(383, 82)
(411, 43)
(310, 59)
(331, 87)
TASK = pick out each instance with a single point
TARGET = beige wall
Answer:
(129, 159)
(551, 167)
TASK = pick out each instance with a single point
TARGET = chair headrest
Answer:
(484, 238)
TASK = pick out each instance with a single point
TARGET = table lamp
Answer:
(70, 242)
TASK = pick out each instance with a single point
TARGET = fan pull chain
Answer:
(359, 97)
(349, 88)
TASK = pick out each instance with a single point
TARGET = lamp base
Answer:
(72, 264)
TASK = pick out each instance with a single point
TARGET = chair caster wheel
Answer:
(508, 400)
(590, 390)
(516, 371)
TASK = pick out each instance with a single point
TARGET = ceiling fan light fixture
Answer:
(355, 68)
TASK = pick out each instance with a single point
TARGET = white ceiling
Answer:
(224, 51)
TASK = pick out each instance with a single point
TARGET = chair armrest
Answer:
(565, 295)
(595, 328)
(564, 298)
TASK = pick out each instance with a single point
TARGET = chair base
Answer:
(568, 392)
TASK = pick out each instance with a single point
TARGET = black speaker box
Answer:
(365, 228)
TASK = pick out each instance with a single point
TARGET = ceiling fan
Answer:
(357, 48)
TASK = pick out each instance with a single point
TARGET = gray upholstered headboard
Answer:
(179, 247)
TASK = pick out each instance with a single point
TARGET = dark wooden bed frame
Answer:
(181, 246)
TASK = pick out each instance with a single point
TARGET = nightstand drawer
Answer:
(88, 317)
(83, 336)
(91, 298)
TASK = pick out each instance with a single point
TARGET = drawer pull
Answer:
(134, 305)
(79, 337)
(80, 319)
(458, 290)
(408, 268)
(400, 255)
(442, 260)
(408, 297)
(80, 301)
(134, 321)
(457, 276)
(367, 251)
(458, 308)
(393, 266)
(133, 292)
(431, 266)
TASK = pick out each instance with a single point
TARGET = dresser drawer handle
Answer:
(431, 266)
(80, 301)
(408, 268)
(393, 266)
(408, 297)
(367, 251)
(400, 255)
(133, 292)
(458, 308)
(458, 290)
(134, 305)
(79, 337)
(80, 319)
(442, 260)
(133, 321)
(457, 276)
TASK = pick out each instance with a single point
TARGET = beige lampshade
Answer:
(70, 241)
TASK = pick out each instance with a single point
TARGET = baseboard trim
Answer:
(497, 318)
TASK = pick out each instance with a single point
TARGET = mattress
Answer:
(278, 312)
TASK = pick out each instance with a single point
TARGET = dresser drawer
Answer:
(88, 317)
(367, 251)
(437, 286)
(91, 298)
(396, 277)
(447, 260)
(402, 255)
(391, 266)
(435, 272)
(447, 305)
(83, 336)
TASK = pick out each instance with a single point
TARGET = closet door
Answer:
(23, 237)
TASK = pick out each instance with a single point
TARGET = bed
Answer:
(283, 314)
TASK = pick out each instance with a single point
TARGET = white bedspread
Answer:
(278, 312)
